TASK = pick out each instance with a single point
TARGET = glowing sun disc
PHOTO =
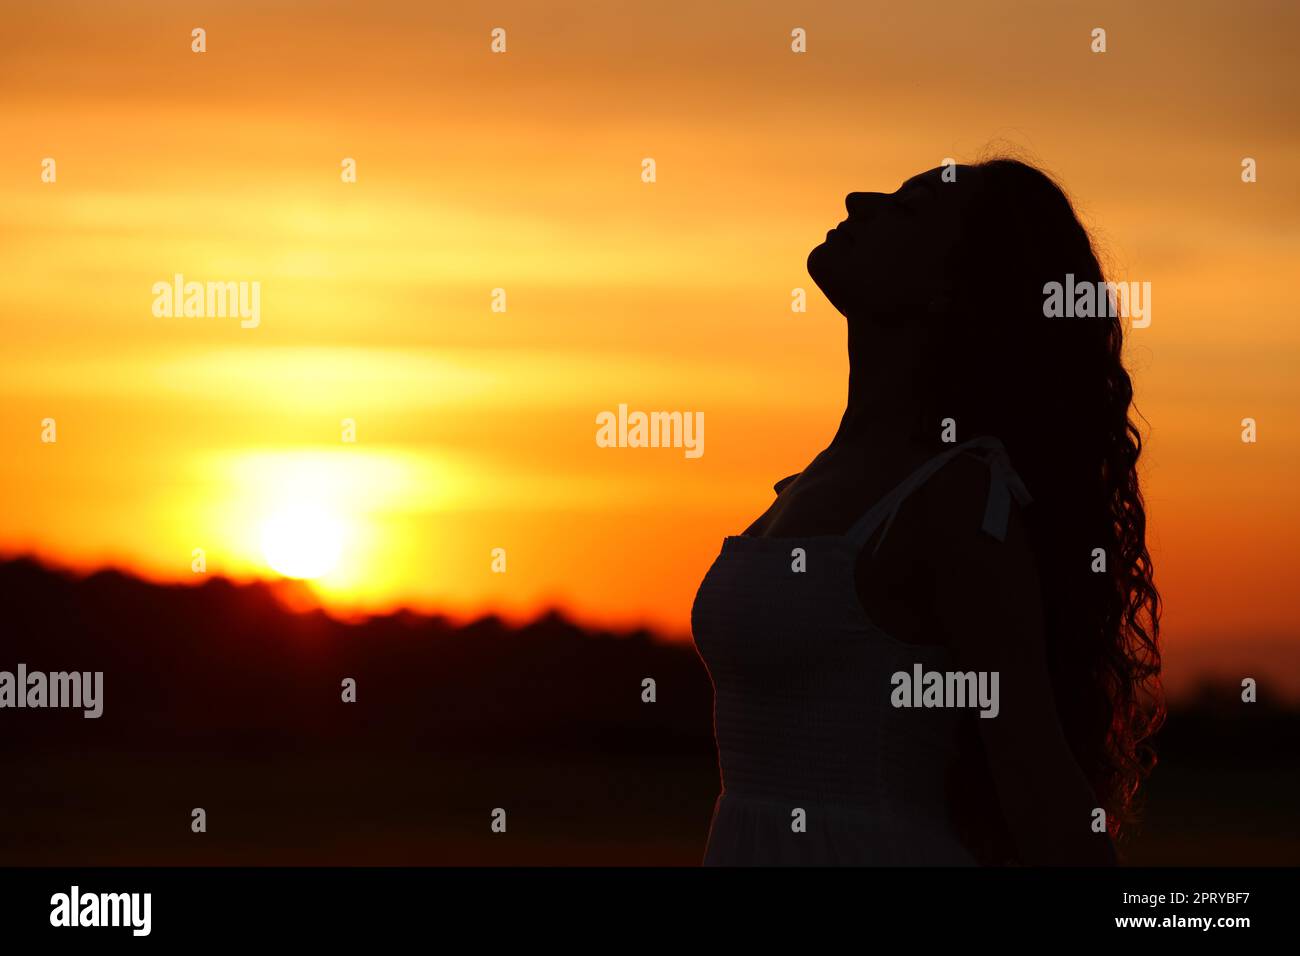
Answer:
(302, 541)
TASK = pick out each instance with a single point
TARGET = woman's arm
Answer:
(989, 607)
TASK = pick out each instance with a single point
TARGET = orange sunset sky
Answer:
(475, 429)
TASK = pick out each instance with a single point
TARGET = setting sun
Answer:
(302, 541)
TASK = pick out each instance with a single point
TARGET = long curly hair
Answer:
(1057, 394)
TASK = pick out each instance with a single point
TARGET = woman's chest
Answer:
(777, 596)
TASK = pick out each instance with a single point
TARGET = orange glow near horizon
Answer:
(474, 429)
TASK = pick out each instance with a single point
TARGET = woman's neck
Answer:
(880, 412)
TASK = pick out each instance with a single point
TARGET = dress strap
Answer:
(1004, 484)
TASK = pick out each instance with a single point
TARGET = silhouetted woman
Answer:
(976, 514)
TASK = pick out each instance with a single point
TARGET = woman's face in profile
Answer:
(888, 259)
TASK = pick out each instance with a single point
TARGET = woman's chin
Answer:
(816, 259)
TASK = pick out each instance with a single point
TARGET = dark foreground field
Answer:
(217, 697)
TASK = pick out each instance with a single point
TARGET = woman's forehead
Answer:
(932, 177)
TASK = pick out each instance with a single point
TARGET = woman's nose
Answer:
(862, 205)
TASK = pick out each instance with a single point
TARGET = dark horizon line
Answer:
(1201, 681)
(279, 587)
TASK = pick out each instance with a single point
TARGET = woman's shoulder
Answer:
(954, 506)
(987, 586)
